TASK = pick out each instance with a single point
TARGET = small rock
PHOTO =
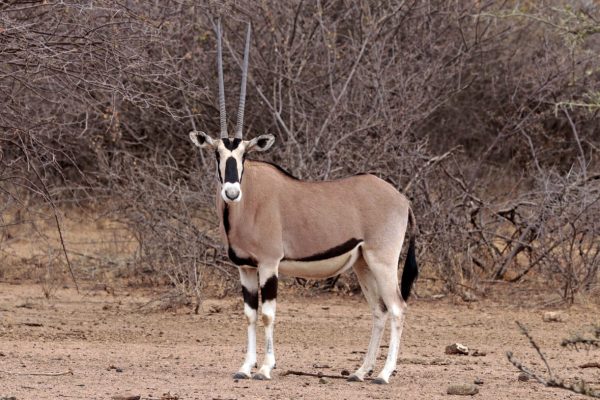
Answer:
(8, 398)
(477, 353)
(478, 381)
(126, 397)
(464, 389)
(215, 309)
(553, 316)
(523, 377)
(457, 348)
(323, 380)
(321, 366)
(2, 354)
(345, 372)
(118, 369)
(469, 297)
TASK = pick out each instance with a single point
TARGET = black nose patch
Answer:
(231, 171)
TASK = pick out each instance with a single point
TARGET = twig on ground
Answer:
(578, 387)
(525, 332)
(575, 342)
(67, 372)
(590, 365)
(316, 375)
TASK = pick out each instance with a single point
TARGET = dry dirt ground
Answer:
(193, 356)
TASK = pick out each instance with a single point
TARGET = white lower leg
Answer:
(397, 317)
(376, 333)
(268, 317)
(249, 281)
(250, 360)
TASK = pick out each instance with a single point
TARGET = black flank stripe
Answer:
(269, 290)
(333, 252)
(250, 298)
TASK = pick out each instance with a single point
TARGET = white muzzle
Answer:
(231, 192)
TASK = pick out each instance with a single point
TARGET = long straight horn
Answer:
(240, 115)
(222, 113)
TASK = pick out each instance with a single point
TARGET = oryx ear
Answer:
(260, 143)
(201, 139)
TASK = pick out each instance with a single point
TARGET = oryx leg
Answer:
(368, 285)
(385, 271)
(249, 280)
(268, 292)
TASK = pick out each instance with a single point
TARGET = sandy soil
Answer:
(193, 356)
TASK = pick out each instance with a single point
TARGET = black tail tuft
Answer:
(411, 270)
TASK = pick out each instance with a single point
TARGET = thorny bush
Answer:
(483, 112)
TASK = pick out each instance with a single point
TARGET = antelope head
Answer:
(230, 152)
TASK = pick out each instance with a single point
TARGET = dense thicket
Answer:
(483, 112)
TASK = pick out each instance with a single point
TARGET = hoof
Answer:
(240, 375)
(260, 377)
(354, 378)
(379, 381)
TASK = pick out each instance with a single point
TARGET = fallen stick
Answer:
(69, 372)
(590, 365)
(317, 375)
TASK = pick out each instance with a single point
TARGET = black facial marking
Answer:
(226, 219)
(382, 306)
(201, 138)
(240, 260)
(333, 252)
(232, 144)
(268, 291)
(262, 142)
(231, 171)
(218, 156)
(250, 298)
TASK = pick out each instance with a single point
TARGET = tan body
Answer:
(283, 225)
(284, 219)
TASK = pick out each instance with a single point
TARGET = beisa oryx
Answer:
(272, 224)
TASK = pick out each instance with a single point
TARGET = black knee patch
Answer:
(268, 291)
(250, 298)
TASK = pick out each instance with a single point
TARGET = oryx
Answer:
(272, 223)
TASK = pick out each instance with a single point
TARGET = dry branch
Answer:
(67, 372)
(550, 381)
(316, 375)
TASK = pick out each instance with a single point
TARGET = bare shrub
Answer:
(483, 113)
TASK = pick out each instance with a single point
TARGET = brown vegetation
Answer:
(483, 112)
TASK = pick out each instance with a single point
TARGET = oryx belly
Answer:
(320, 268)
